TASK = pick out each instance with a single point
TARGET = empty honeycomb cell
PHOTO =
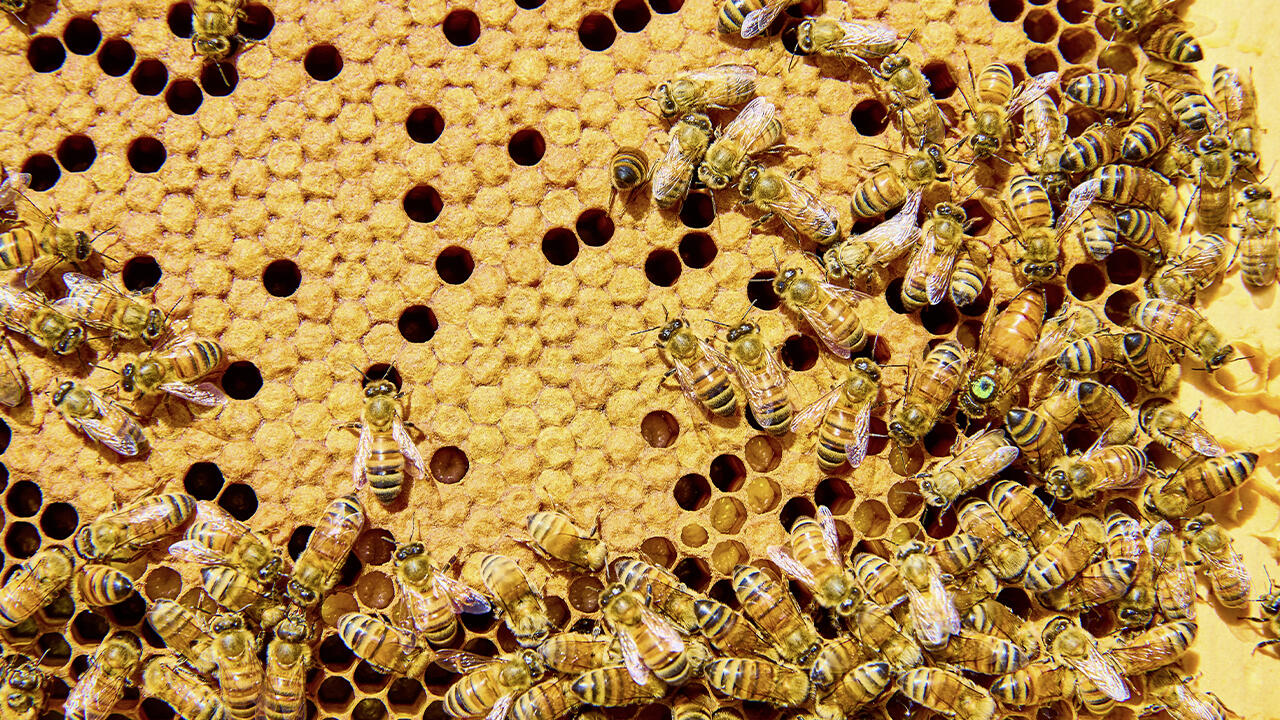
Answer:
(893, 296)
(46, 54)
(698, 210)
(128, 612)
(239, 500)
(869, 117)
(762, 494)
(54, 649)
(1123, 384)
(694, 573)
(1076, 45)
(281, 278)
(88, 628)
(659, 550)
(760, 291)
(666, 7)
(1079, 439)
(584, 593)
(692, 491)
(180, 18)
(794, 509)
(631, 15)
(693, 535)
(146, 154)
(454, 265)
(163, 583)
(1006, 10)
(659, 428)
(1124, 266)
(59, 521)
(939, 319)
(1041, 60)
(140, 273)
(116, 57)
(334, 654)
(405, 694)
(527, 147)
(799, 352)
(21, 540)
(183, 96)
(697, 249)
(1086, 282)
(1040, 26)
(76, 153)
(241, 380)
(374, 589)
(44, 171)
(940, 441)
(727, 472)
(149, 77)
(461, 27)
(763, 453)
(835, 494)
(939, 524)
(595, 227)
(560, 246)
(1160, 457)
(334, 694)
(219, 79)
(24, 498)
(323, 62)
(82, 36)
(596, 32)
(942, 84)
(203, 480)
(727, 555)
(1118, 305)
(257, 23)
(662, 267)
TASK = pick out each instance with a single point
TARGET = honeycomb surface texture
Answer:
(423, 185)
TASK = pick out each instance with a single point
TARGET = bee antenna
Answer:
(641, 332)
(777, 263)
(750, 306)
(905, 40)
(363, 377)
(716, 323)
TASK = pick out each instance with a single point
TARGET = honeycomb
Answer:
(418, 190)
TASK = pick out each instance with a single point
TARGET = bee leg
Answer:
(1265, 643)
(762, 220)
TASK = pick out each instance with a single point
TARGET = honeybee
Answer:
(672, 174)
(661, 590)
(906, 91)
(284, 684)
(1006, 554)
(572, 653)
(182, 632)
(555, 535)
(1180, 700)
(1039, 441)
(387, 648)
(880, 580)
(759, 681)
(102, 685)
(548, 700)
(1102, 467)
(987, 120)
(103, 306)
(714, 88)
(1199, 265)
(240, 592)
(1213, 170)
(702, 371)
(933, 614)
(878, 631)
(1044, 137)
(754, 131)
(649, 643)
(1104, 91)
(1259, 243)
(40, 251)
(102, 420)
(729, 631)
(168, 680)
(122, 533)
(318, 567)
(1234, 95)
(1098, 145)
(43, 323)
(1102, 582)
(762, 377)
(1183, 326)
(890, 184)
(1068, 554)
(947, 693)
(858, 39)
(239, 671)
(628, 170)
(431, 601)
(829, 310)
(774, 609)
(992, 617)
(13, 382)
(614, 687)
(928, 277)
(1072, 645)
(758, 21)
(174, 369)
(837, 657)
(732, 13)
(33, 584)
(1131, 185)
(22, 688)
(217, 538)
(779, 195)
(1157, 647)
(1175, 587)
(521, 607)
(1160, 33)
(1032, 216)
(385, 452)
(814, 559)
(1037, 684)
(489, 685)
(980, 459)
(1148, 134)
(857, 687)
(982, 654)
(1105, 410)
(103, 585)
(970, 274)
(213, 27)
(929, 389)
(860, 255)
(1148, 360)
(1126, 541)
(1182, 95)
(1269, 609)
(1018, 506)
(1098, 231)
(846, 416)
(1210, 547)
(1008, 341)
(1182, 434)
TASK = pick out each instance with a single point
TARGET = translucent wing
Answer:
(855, 451)
(417, 607)
(759, 385)
(96, 429)
(463, 662)
(1030, 90)
(363, 447)
(1146, 650)
(1191, 706)
(662, 630)
(12, 187)
(501, 707)
(1211, 261)
(819, 324)
(933, 614)
(1197, 437)
(206, 394)
(859, 36)
(1079, 200)
(1229, 566)
(892, 238)
(195, 552)
(685, 377)
(407, 447)
(1172, 576)
(752, 123)
(781, 557)
(95, 694)
(212, 517)
(636, 668)
(1095, 666)
(39, 269)
(757, 21)
(673, 173)
(938, 277)
(465, 599)
(830, 535)
(818, 409)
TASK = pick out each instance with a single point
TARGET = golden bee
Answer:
(489, 685)
(758, 21)
(628, 170)
(1211, 547)
(121, 534)
(182, 632)
(761, 376)
(1101, 468)
(174, 369)
(1032, 215)
(759, 681)
(1259, 243)
(613, 687)
(1213, 170)
(982, 654)
(732, 13)
(238, 591)
(1182, 95)
(776, 612)
(1037, 684)
(858, 257)
(1180, 699)
(572, 653)
(556, 535)
(1175, 586)
(521, 607)
(1154, 648)
(856, 688)
(1098, 231)
(1102, 582)
(1103, 409)
(33, 584)
(857, 39)
(102, 685)
(906, 91)
(217, 538)
(1148, 134)
(45, 324)
(1154, 26)
(649, 643)
(385, 452)
(1018, 506)
(1183, 326)
(891, 184)
(1069, 553)
(714, 88)
(22, 687)
(284, 683)
(673, 172)
(1269, 609)
(384, 646)
(987, 120)
(845, 414)
(1098, 145)
(40, 251)
(1200, 264)
(1127, 542)
(780, 196)
(1131, 185)
(1006, 553)
(319, 566)
(432, 601)
(980, 459)
(814, 559)
(1105, 91)
(239, 671)
(729, 631)
(878, 631)
(1044, 138)
(13, 381)
(165, 678)
(947, 693)
(662, 591)
(213, 27)
(992, 617)
(1182, 434)
(1234, 95)
(829, 310)
(837, 658)
(103, 585)
(102, 420)
(754, 131)
(103, 306)
(1145, 232)
(548, 700)
(932, 611)
(1039, 442)
(1008, 341)
(701, 370)
(929, 389)
(880, 581)
(928, 277)
(1073, 646)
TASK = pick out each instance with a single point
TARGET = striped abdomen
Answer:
(1039, 443)
(938, 379)
(194, 360)
(103, 585)
(836, 433)
(1017, 329)
(732, 13)
(1030, 201)
(880, 192)
(711, 385)
(1172, 43)
(841, 322)
(1146, 136)
(284, 685)
(758, 680)
(241, 681)
(19, 247)
(1258, 256)
(475, 693)
(775, 612)
(1217, 476)
(1098, 232)
(385, 466)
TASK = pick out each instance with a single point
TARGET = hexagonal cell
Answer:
(659, 551)
(694, 573)
(660, 429)
(692, 491)
(162, 583)
(870, 518)
(374, 547)
(727, 472)
(405, 695)
(375, 590)
(835, 494)
(693, 535)
(727, 515)
(334, 694)
(1076, 45)
(1006, 10)
(727, 555)
(1040, 26)
(24, 498)
(334, 654)
(794, 509)
(369, 709)
(763, 452)
(762, 494)
(584, 593)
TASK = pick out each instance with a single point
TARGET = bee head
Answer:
(379, 387)
(1220, 357)
(804, 37)
(69, 340)
(741, 331)
(750, 177)
(404, 552)
(784, 281)
(155, 325)
(1212, 143)
(711, 178)
(1135, 616)
(1245, 158)
(934, 152)
(984, 145)
(1119, 17)
(699, 121)
(1256, 192)
(1040, 272)
(666, 105)
(1198, 523)
(867, 367)
(300, 594)
(127, 375)
(950, 211)
(212, 48)
(894, 63)
(898, 428)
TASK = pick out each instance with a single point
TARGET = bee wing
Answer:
(121, 444)
(781, 557)
(500, 708)
(938, 278)
(408, 448)
(1230, 566)
(363, 447)
(1139, 654)
(1190, 706)
(817, 410)
(830, 535)
(1030, 90)
(758, 385)
(195, 552)
(636, 668)
(1197, 437)
(933, 614)
(415, 605)
(672, 174)
(757, 21)
(661, 629)
(1170, 571)
(858, 34)
(855, 451)
(465, 598)
(1079, 200)
(14, 183)
(820, 326)
(893, 237)
(96, 694)
(39, 269)
(752, 123)
(685, 379)
(212, 515)
(462, 662)
(1098, 668)
(206, 393)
